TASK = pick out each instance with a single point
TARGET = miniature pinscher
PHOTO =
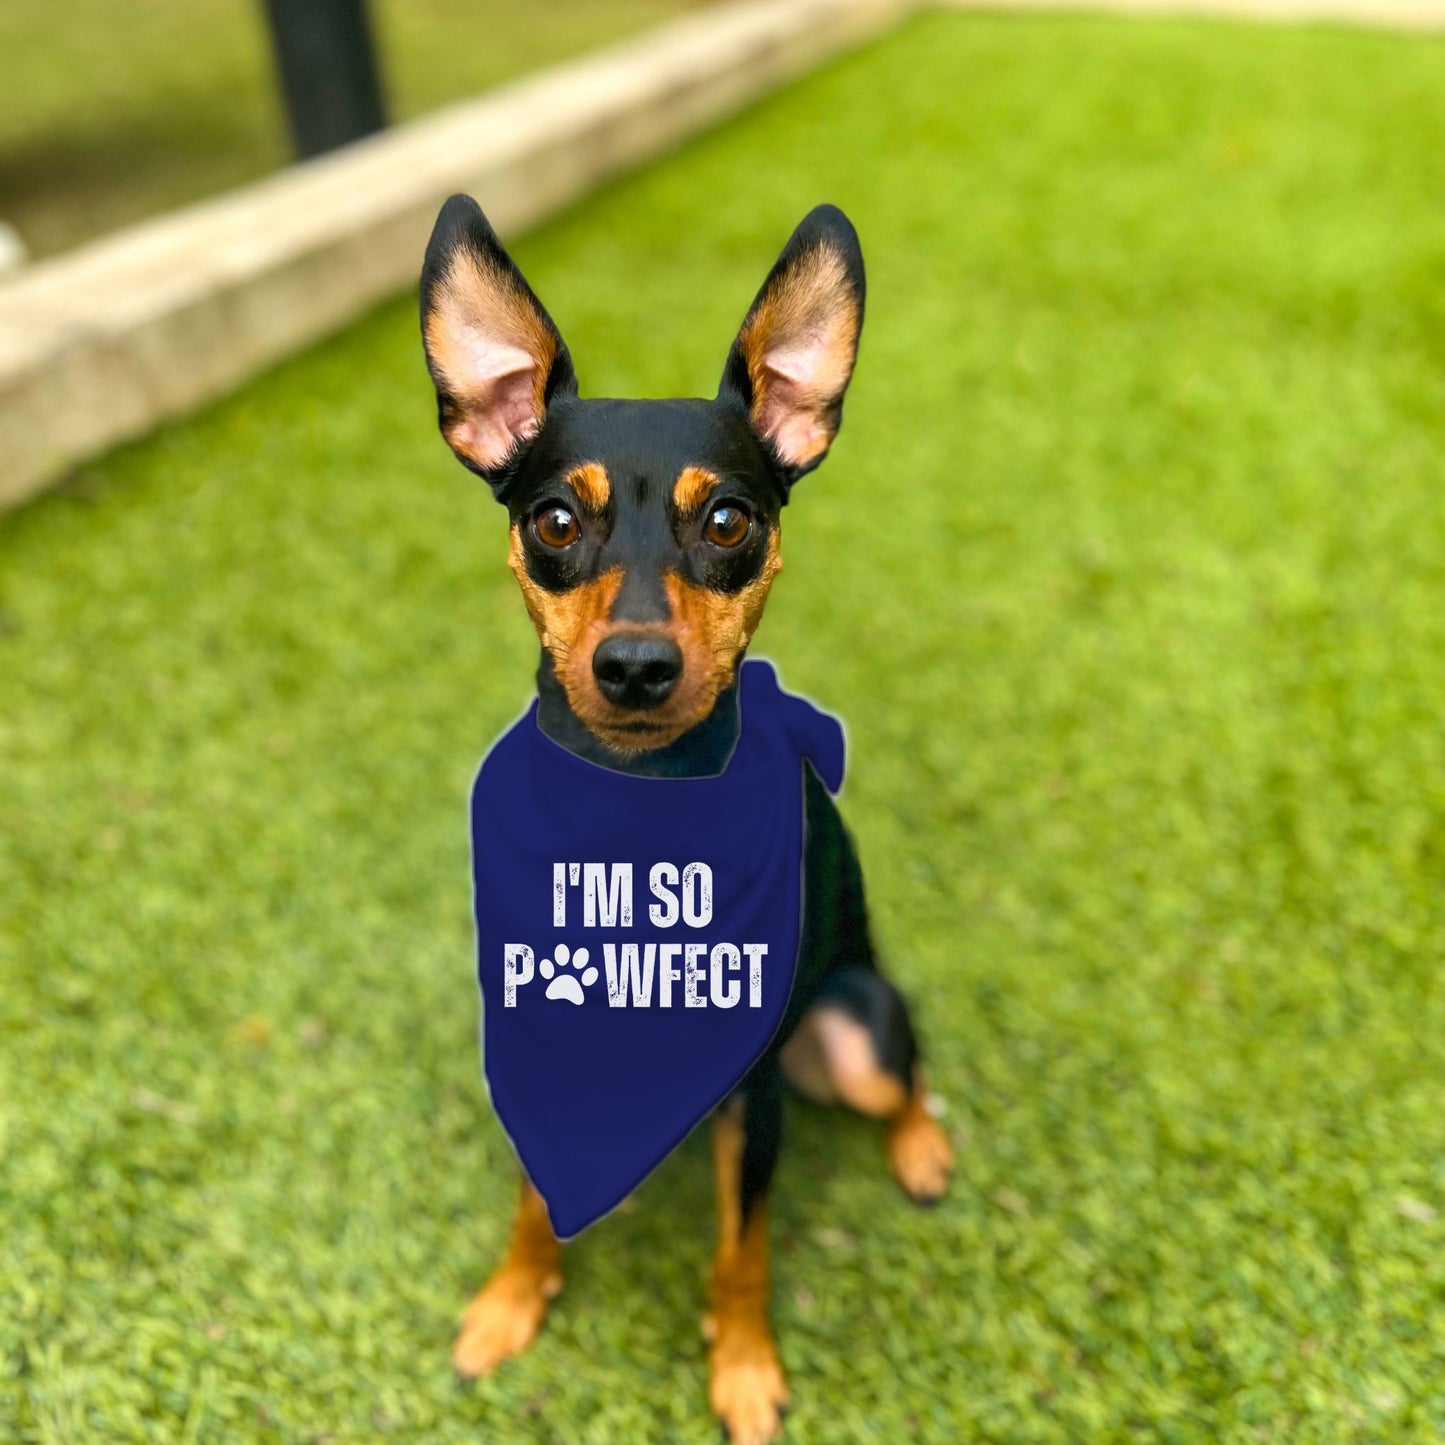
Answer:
(645, 536)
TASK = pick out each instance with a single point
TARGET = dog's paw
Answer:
(920, 1155)
(503, 1319)
(746, 1388)
(566, 985)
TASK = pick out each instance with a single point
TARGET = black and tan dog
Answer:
(645, 537)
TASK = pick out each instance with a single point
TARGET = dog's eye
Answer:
(727, 526)
(555, 527)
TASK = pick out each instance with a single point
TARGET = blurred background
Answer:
(1125, 573)
(114, 112)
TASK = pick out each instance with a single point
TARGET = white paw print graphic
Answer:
(565, 985)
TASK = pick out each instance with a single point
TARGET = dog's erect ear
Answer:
(493, 352)
(793, 357)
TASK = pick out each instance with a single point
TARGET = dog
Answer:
(645, 536)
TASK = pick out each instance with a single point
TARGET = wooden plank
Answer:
(101, 345)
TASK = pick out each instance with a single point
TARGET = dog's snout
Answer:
(637, 669)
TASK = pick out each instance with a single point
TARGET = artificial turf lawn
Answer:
(1128, 574)
(111, 110)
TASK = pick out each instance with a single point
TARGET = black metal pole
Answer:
(328, 69)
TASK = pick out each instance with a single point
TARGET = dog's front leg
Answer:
(505, 1317)
(746, 1378)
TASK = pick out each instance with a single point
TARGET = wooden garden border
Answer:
(102, 344)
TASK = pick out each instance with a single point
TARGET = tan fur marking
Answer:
(484, 298)
(727, 1164)
(713, 627)
(811, 307)
(592, 485)
(571, 623)
(710, 628)
(694, 485)
(919, 1152)
(830, 1059)
(505, 1317)
(746, 1385)
(805, 1062)
(478, 305)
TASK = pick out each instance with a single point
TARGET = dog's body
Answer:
(645, 538)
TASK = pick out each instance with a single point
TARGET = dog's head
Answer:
(644, 534)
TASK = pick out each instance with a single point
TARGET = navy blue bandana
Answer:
(637, 940)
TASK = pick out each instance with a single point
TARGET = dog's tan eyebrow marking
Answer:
(692, 488)
(592, 485)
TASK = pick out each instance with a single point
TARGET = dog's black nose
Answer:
(637, 669)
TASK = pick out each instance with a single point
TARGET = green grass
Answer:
(112, 110)
(1128, 574)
